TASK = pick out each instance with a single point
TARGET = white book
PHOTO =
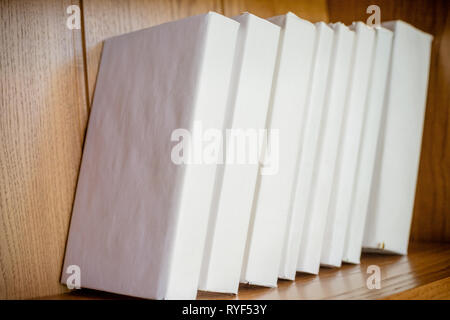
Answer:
(346, 163)
(289, 96)
(367, 152)
(140, 219)
(253, 70)
(311, 127)
(394, 183)
(271, 202)
(326, 153)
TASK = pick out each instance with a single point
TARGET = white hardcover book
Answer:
(394, 183)
(327, 149)
(253, 70)
(311, 129)
(140, 219)
(346, 163)
(368, 145)
(267, 228)
(288, 111)
(273, 195)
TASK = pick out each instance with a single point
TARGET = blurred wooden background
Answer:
(47, 80)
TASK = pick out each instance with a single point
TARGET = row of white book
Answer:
(348, 104)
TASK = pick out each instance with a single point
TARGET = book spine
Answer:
(249, 101)
(331, 125)
(288, 113)
(198, 181)
(349, 146)
(366, 158)
(315, 107)
(392, 197)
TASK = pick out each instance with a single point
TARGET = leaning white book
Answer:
(311, 128)
(394, 183)
(346, 163)
(288, 111)
(140, 218)
(327, 149)
(368, 145)
(272, 199)
(253, 70)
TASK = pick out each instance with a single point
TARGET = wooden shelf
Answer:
(423, 274)
(50, 75)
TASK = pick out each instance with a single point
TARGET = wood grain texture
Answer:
(108, 18)
(431, 221)
(425, 267)
(312, 10)
(42, 123)
(437, 290)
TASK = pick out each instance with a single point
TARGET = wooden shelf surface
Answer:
(423, 274)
